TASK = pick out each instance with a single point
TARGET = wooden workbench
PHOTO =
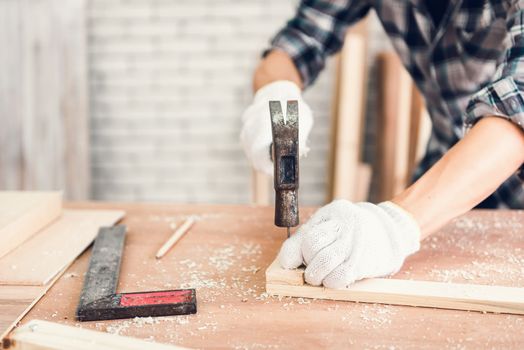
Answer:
(224, 256)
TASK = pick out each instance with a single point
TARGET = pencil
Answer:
(175, 237)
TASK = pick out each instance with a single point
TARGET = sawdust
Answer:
(376, 315)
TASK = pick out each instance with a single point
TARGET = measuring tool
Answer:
(284, 152)
(99, 300)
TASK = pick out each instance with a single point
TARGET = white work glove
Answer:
(256, 134)
(344, 242)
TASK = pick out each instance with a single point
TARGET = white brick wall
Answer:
(169, 81)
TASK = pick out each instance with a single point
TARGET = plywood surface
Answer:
(40, 258)
(226, 252)
(22, 214)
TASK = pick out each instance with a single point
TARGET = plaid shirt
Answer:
(468, 66)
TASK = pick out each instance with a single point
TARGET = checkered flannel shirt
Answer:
(467, 66)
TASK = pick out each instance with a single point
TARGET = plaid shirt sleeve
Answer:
(317, 31)
(504, 96)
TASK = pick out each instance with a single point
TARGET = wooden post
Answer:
(347, 120)
(393, 126)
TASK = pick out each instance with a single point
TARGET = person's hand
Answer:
(256, 134)
(344, 242)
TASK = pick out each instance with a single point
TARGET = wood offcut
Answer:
(458, 296)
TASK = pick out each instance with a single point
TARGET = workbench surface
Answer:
(224, 257)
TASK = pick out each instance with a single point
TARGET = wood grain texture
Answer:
(43, 97)
(23, 214)
(224, 258)
(458, 296)
(40, 258)
(43, 335)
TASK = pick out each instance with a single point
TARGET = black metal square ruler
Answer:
(99, 299)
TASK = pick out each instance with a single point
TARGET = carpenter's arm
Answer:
(469, 172)
(299, 50)
(277, 65)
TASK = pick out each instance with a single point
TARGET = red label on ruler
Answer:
(148, 298)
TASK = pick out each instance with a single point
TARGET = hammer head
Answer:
(285, 159)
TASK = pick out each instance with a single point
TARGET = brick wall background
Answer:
(169, 81)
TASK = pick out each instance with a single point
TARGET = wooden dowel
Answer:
(175, 237)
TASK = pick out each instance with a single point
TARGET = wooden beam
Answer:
(347, 117)
(393, 126)
(25, 213)
(43, 335)
(458, 296)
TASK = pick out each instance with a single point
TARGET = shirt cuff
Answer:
(503, 98)
(303, 50)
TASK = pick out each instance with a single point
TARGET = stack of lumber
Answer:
(38, 241)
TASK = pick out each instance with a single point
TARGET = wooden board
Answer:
(224, 257)
(43, 335)
(393, 126)
(347, 118)
(459, 296)
(22, 214)
(16, 301)
(40, 258)
(44, 133)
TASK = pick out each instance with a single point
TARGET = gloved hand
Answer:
(344, 242)
(256, 134)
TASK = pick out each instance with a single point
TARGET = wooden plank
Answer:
(14, 300)
(17, 301)
(43, 97)
(38, 260)
(43, 335)
(393, 126)
(347, 118)
(458, 296)
(22, 214)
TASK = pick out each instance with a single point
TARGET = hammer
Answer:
(284, 152)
